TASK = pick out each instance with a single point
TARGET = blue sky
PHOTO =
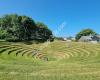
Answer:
(77, 14)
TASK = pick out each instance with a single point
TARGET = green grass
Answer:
(81, 61)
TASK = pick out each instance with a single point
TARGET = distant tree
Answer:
(85, 32)
(59, 38)
(43, 32)
(70, 37)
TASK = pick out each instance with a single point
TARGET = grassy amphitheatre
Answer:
(66, 61)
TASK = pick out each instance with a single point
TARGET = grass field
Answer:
(66, 61)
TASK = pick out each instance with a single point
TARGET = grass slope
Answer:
(67, 61)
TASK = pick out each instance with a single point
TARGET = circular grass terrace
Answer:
(80, 61)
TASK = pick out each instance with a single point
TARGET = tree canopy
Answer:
(18, 28)
(85, 32)
(44, 32)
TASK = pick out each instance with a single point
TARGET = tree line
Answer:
(84, 32)
(15, 27)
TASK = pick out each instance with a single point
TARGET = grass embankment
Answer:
(66, 61)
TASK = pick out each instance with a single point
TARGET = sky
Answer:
(63, 17)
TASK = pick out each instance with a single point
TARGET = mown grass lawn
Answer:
(80, 61)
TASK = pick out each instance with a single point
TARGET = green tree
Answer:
(85, 32)
(19, 28)
(43, 32)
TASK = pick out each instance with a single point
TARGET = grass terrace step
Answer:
(24, 51)
(4, 46)
(28, 52)
(3, 50)
(33, 53)
(20, 52)
(11, 51)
